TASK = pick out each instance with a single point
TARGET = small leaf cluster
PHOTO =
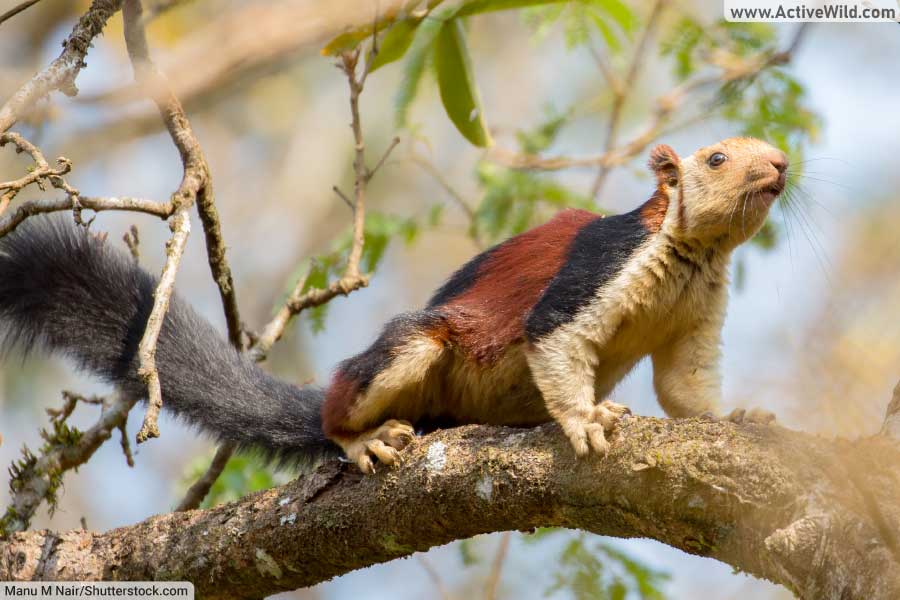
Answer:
(613, 20)
(593, 569)
(243, 475)
(26, 469)
(434, 36)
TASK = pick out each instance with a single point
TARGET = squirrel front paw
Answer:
(587, 432)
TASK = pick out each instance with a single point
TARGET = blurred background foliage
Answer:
(476, 90)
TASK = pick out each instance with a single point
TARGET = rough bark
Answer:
(813, 514)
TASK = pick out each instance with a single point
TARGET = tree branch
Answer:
(622, 91)
(351, 279)
(38, 477)
(766, 500)
(743, 70)
(198, 491)
(61, 73)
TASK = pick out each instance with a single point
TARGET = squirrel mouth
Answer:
(773, 190)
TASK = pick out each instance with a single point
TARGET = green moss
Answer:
(391, 545)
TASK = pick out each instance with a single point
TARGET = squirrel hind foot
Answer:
(379, 445)
(759, 416)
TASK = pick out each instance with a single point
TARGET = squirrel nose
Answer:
(778, 160)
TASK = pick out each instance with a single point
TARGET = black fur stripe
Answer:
(461, 280)
(597, 254)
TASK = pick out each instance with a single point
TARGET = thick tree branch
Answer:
(766, 500)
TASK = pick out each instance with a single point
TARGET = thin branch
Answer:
(180, 223)
(434, 576)
(98, 204)
(194, 180)
(490, 592)
(351, 279)
(342, 196)
(427, 166)
(61, 73)
(70, 400)
(383, 158)
(621, 92)
(17, 9)
(40, 173)
(666, 105)
(348, 63)
(200, 488)
(196, 188)
(132, 240)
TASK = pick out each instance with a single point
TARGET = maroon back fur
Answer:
(490, 315)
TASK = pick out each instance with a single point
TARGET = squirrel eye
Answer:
(716, 159)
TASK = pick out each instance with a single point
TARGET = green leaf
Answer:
(483, 6)
(395, 43)
(456, 82)
(609, 36)
(418, 53)
(618, 12)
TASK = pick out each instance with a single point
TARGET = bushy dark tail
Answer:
(65, 291)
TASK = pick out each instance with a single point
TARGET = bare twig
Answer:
(98, 204)
(199, 188)
(132, 240)
(623, 90)
(351, 279)
(194, 180)
(342, 196)
(383, 158)
(490, 588)
(458, 199)
(348, 65)
(40, 173)
(196, 187)
(180, 223)
(61, 73)
(70, 400)
(200, 488)
(435, 577)
(218, 265)
(17, 9)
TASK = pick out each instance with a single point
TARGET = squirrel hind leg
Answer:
(374, 395)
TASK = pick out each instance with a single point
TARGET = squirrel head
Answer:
(721, 192)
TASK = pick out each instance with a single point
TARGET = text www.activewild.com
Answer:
(762, 11)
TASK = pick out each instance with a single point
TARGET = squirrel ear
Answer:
(666, 165)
